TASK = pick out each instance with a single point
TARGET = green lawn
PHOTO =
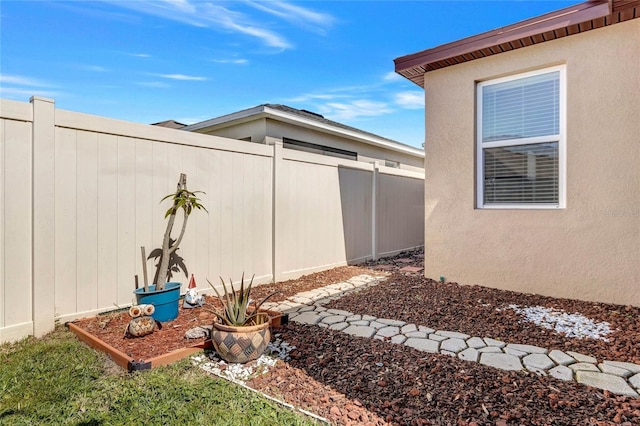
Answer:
(56, 380)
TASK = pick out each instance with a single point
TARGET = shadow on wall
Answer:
(356, 201)
(382, 218)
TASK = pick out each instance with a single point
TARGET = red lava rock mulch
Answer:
(110, 327)
(357, 381)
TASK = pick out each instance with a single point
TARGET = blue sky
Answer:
(191, 60)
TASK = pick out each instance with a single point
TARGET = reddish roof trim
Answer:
(560, 23)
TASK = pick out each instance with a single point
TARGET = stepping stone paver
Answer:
(387, 321)
(452, 334)
(490, 349)
(501, 361)
(469, 354)
(339, 326)
(407, 328)
(582, 358)
(561, 358)
(494, 342)
(622, 378)
(562, 372)
(612, 383)
(512, 351)
(388, 332)
(339, 312)
(307, 318)
(538, 361)
(530, 349)
(333, 319)
(426, 345)
(453, 345)
(360, 330)
(437, 337)
(399, 339)
(584, 366)
(377, 325)
(616, 371)
(634, 368)
(476, 342)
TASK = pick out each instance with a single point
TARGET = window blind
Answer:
(521, 108)
(521, 174)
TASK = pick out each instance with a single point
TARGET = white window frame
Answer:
(560, 138)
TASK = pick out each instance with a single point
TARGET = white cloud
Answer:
(19, 86)
(354, 109)
(392, 76)
(14, 92)
(296, 14)
(20, 80)
(140, 55)
(410, 100)
(95, 68)
(315, 96)
(231, 61)
(209, 14)
(182, 77)
(155, 84)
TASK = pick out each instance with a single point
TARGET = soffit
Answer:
(561, 23)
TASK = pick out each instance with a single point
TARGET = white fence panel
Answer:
(107, 205)
(400, 214)
(96, 184)
(15, 228)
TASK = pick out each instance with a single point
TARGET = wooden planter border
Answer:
(130, 364)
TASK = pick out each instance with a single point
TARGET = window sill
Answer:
(520, 207)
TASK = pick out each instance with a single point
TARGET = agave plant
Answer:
(237, 311)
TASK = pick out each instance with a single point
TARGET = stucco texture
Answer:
(589, 250)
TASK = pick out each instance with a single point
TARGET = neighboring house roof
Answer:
(560, 23)
(172, 124)
(307, 119)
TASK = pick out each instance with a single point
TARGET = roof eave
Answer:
(410, 66)
(338, 131)
(264, 111)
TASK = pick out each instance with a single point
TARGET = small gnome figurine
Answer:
(192, 299)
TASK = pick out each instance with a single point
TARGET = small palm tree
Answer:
(169, 260)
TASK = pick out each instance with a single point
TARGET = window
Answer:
(521, 141)
(391, 163)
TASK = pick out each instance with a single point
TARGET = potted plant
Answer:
(165, 295)
(241, 332)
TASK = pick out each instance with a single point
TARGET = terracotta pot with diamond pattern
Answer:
(240, 344)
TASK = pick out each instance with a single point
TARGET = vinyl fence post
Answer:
(43, 225)
(374, 211)
(277, 225)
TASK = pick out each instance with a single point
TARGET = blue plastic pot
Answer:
(165, 301)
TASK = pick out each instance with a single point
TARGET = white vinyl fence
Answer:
(80, 194)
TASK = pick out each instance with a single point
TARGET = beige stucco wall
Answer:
(591, 249)
(255, 129)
